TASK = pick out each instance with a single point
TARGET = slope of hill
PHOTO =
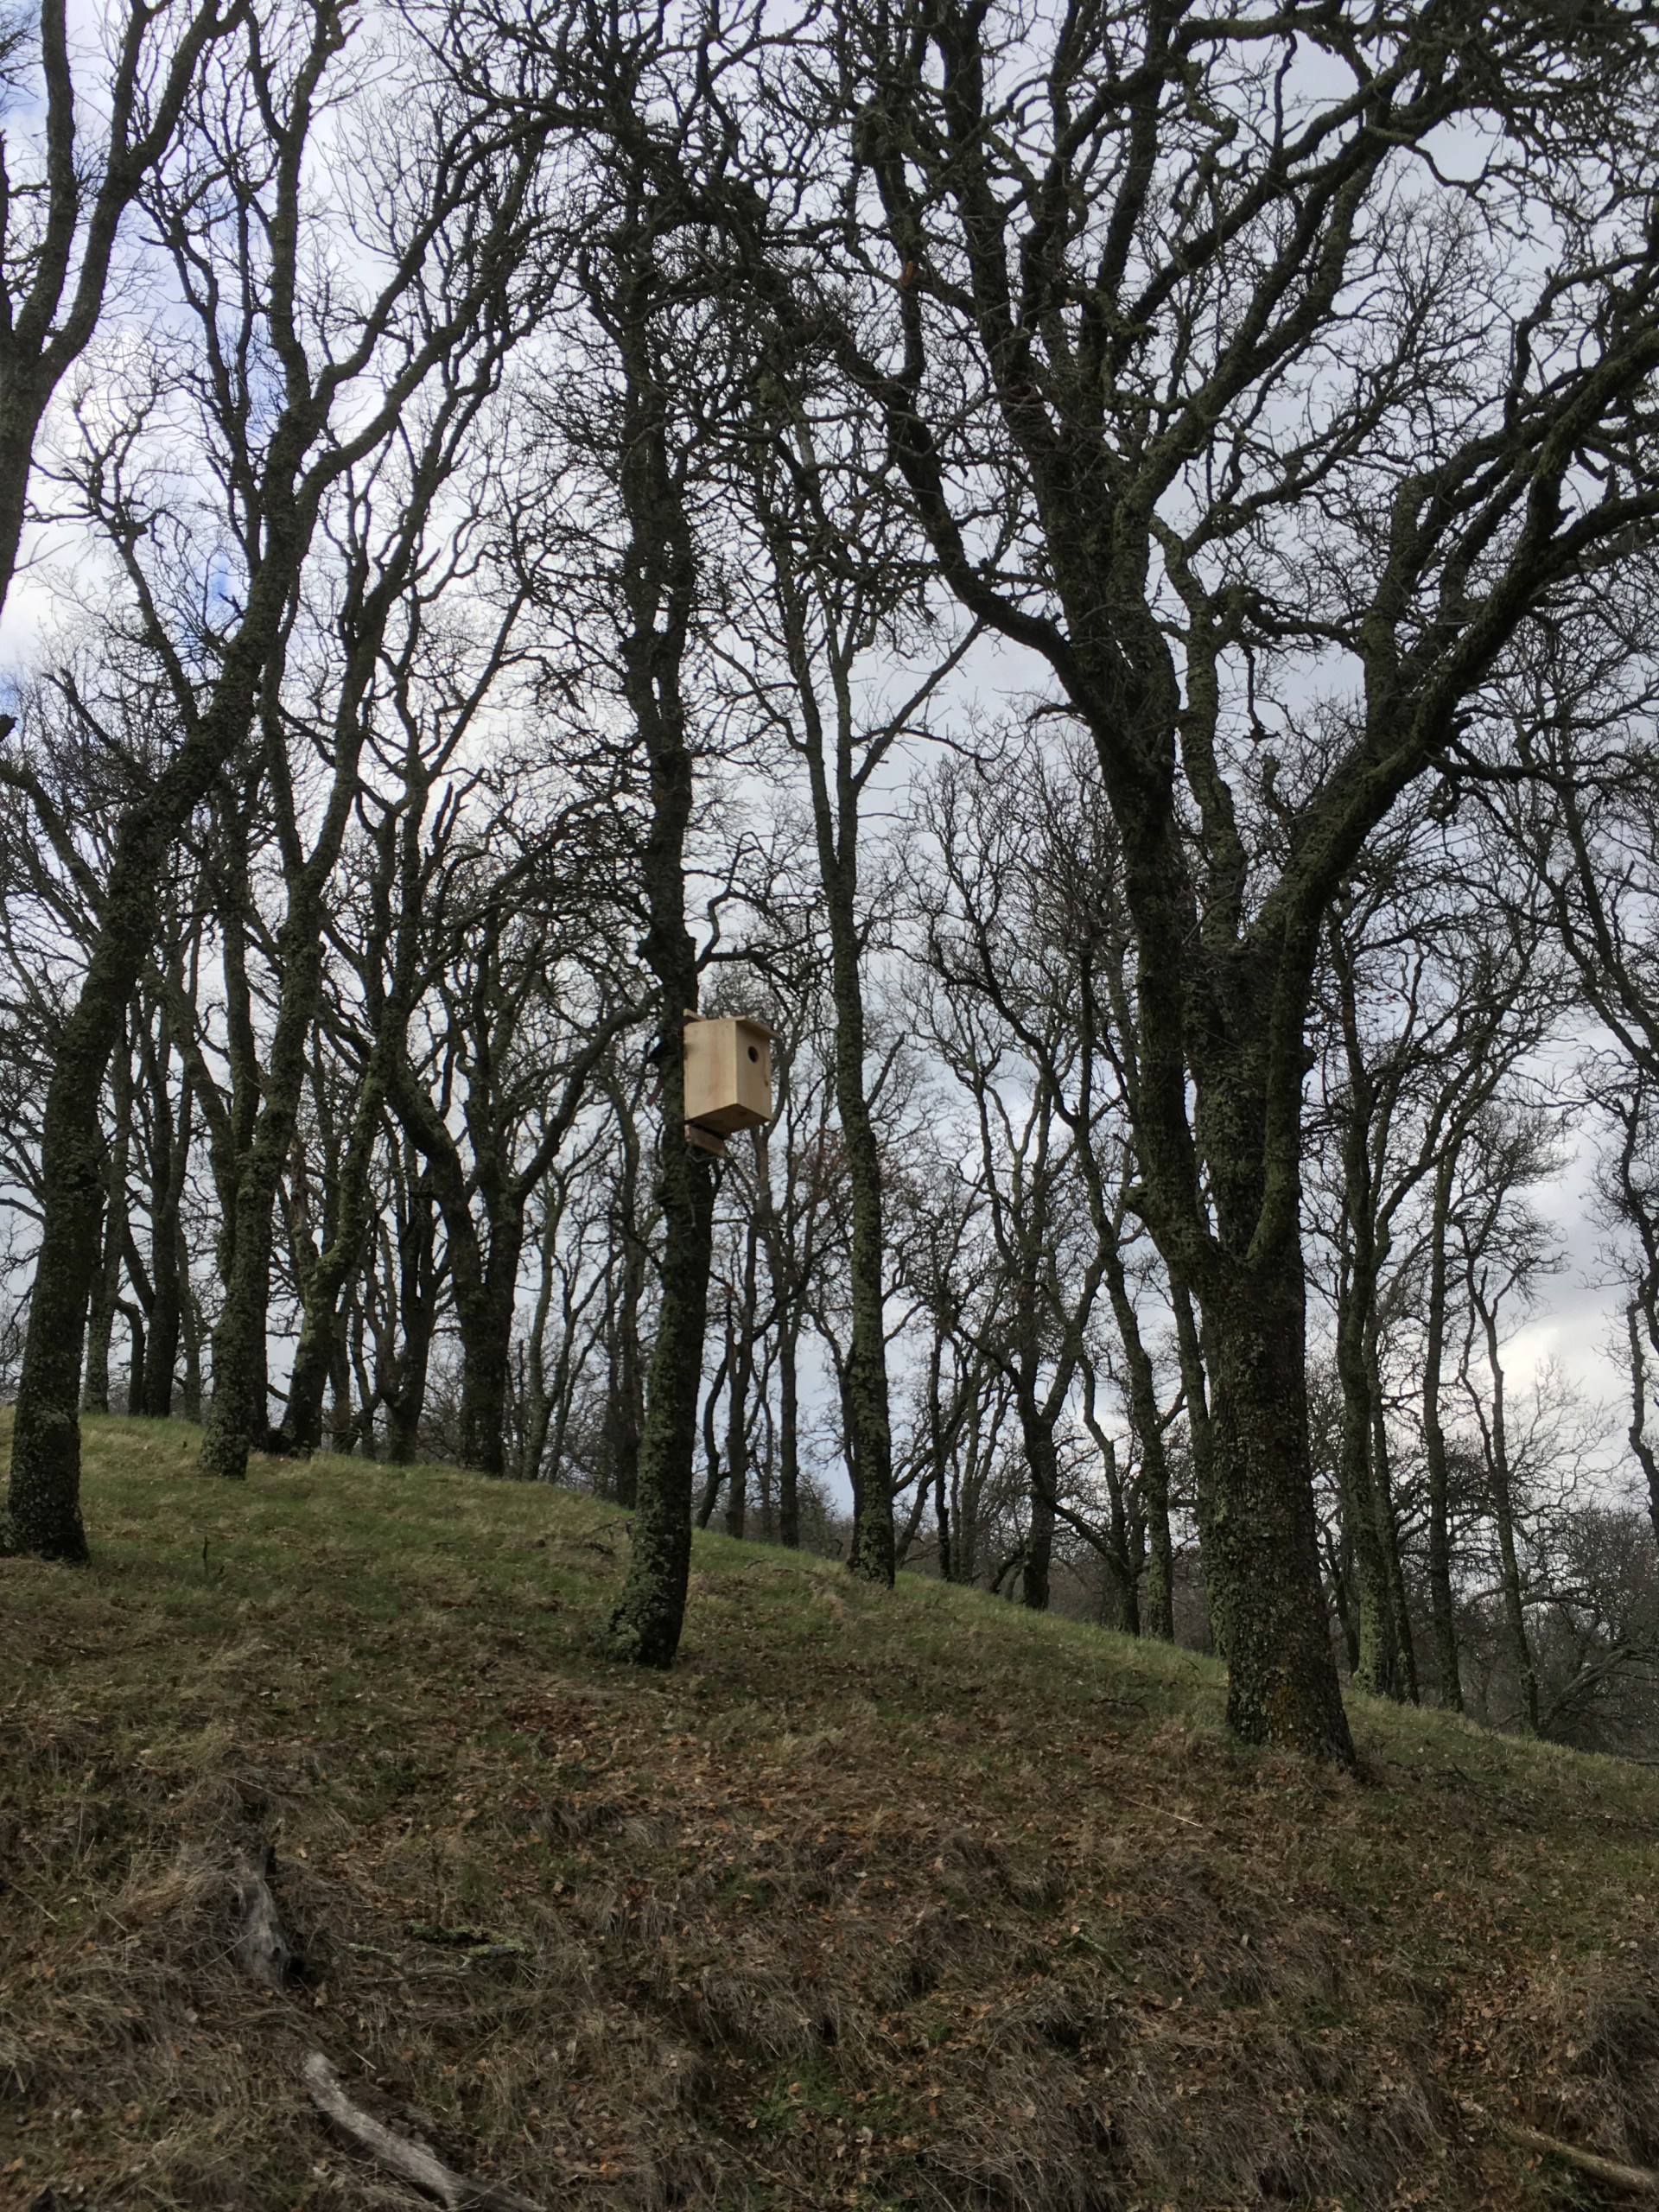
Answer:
(906, 1899)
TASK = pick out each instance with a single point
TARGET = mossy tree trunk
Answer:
(660, 595)
(1264, 1543)
(837, 782)
(623, 1419)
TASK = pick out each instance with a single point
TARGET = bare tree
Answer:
(1197, 369)
(344, 376)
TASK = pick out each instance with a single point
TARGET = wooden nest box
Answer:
(727, 1075)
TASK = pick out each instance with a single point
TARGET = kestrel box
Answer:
(727, 1075)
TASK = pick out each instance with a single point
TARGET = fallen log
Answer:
(1635, 2181)
(411, 2161)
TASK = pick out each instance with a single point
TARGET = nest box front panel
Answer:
(727, 1075)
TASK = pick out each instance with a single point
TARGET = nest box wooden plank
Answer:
(727, 1074)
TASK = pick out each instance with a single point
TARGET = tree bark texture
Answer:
(1282, 1684)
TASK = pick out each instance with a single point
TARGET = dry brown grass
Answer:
(875, 1901)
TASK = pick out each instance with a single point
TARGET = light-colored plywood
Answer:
(727, 1074)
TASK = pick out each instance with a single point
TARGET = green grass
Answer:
(875, 1900)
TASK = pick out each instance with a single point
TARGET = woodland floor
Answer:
(906, 1899)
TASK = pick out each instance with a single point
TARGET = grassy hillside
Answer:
(905, 1899)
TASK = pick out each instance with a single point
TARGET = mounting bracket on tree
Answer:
(728, 1070)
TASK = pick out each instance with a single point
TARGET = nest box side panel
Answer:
(705, 1092)
(751, 1064)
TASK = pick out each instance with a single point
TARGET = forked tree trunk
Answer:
(325, 1278)
(238, 1416)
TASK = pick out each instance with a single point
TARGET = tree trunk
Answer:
(1122, 1568)
(417, 1316)
(1377, 1670)
(644, 1628)
(1042, 1467)
(238, 1415)
(1389, 1523)
(872, 1556)
(1201, 1437)
(789, 1436)
(660, 581)
(1282, 1683)
(100, 1327)
(1441, 1608)
(135, 1391)
(324, 1280)
(547, 1409)
(106, 1280)
(1503, 1489)
(785, 1300)
(836, 826)
(624, 1416)
(743, 1370)
(43, 1504)
(168, 1170)
(1155, 1460)
(737, 1446)
(485, 1318)
(1386, 1663)
(191, 1329)
(714, 1472)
